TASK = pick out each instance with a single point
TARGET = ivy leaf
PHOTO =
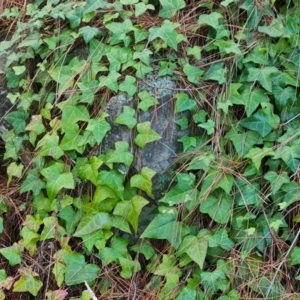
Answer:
(12, 254)
(145, 135)
(170, 8)
(49, 146)
(146, 101)
(258, 122)
(226, 183)
(110, 81)
(89, 170)
(183, 192)
(263, 76)
(140, 8)
(57, 179)
(290, 155)
(14, 170)
(166, 32)
(27, 282)
(18, 120)
(221, 239)
(72, 139)
(120, 31)
(72, 112)
(257, 154)
(131, 210)
(36, 125)
(228, 46)
(127, 117)
(244, 141)
(209, 126)
(92, 222)
(277, 180)
(251, 98)
(233, 294)
(211, 19)
(195, 248)
(218, 209)
(120, 155)
(88, 90)
(275, 29)
(143, 181)
(295, 256)
(216, 72)
(99, 127)
(183, 102)
(77, 271)
(114, 180)
(128, 85)
(93, 5)
(88, 33)
(165, 226)
(193, 73)
(195, 51)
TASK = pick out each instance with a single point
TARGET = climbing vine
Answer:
(227, 228)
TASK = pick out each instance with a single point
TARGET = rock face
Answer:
(160, 155)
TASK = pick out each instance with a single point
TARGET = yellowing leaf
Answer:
(146, 135)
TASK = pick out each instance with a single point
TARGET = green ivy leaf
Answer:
(259, 122)
(99, 127)
(277, 180)
(72, 112)
(120, 155)
(193, 73)
(295, 256)
(243, 141)
(232, 295)
(145, 135)
(146, 101)
(127, 117)
(110, 81)
(12, 254)
(143, 181)
(57, 179)
(131, 210)
(128, 85)
(114, 180)
(170, 8)
(183, 102)
(93, 222)
(228, 46)
(263, 76)
(88, 33)
(195, 248)
(27, 282)
(216, 72)
(72, 139)
(221, 239)
(166, 32)
(49, 146)
(18, 120)
(275, 29)
(218, 209)
(183, 192)
(88, 90)
(140, 8)
(14, 170)
(257, 154)
(211, 19)
(209, 126)
(195, 51)
(77, 271)
(290, 155)
(165, 226)
(93, 5)
(89, 170)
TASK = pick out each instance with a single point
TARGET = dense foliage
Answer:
(227, 228)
